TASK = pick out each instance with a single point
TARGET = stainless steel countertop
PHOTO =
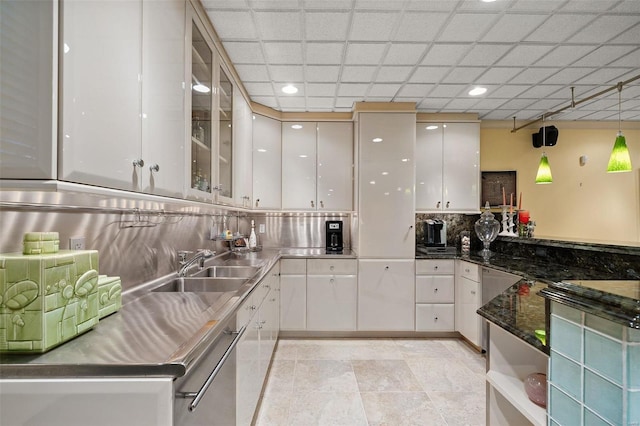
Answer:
(155, 334)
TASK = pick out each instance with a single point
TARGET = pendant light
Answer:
(620, 160)
(544, 170)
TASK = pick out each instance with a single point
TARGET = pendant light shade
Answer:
(620, 160)
(544, 171)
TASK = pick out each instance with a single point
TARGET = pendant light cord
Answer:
(619, 108)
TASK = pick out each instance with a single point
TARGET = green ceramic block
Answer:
(109, 295)
(40, 243)
(46, 299)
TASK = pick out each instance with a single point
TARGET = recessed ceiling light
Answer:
(297, 126)
(432, 127)
(478, 91)
(372, 182)
(385, 173)
(201, 88)
(488, 1)
(302, 156)
(290, 89)
(405, 160)
(376, 140)
(262, 150)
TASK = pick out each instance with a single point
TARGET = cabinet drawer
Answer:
(469, 270)
(332, 267)
(435, 266)
(434, 289)
(293, 266)
(435, 317)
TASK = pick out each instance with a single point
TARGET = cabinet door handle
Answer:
(312, 203)
(257, 201)
(322, 204)
(473, 292)
(138, 162)
(332, 280)
(386, 268)
(252, 307)
(467, 270)
(154, 168)
(438, 205)
(435, 290)
(436, 319)
(435, 267)
(447, 206)
(331, 268)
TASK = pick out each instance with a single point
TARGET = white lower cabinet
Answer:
(435, 295)
(331, 294)
(293, 294)
(259, 313)
(386, 295)
(100, 402)
(468, 300)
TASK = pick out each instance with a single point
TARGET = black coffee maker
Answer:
(333, 233)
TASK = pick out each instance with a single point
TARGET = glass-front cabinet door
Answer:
(202, 146)
(225, 138)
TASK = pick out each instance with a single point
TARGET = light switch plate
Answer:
(261, 228)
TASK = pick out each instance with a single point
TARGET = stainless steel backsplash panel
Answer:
(140, 247)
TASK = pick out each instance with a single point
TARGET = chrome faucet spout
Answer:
(199, 257)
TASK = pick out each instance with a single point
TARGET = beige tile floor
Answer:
(371, 382)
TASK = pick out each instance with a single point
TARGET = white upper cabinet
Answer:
(123, 94)
(299, 166)
(386, 185)
(225, 188)
(335, 167)
(28, 109)
(448, 167)
(163, 97)
(100, 135)
(266, 163)
(242, 155)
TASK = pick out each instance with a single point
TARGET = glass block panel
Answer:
(591, 419)
(566, 375)
(603, 355)
(633, 367)
(633, 417)
(563, 409)
(607, 327)
(634, 335)
(566, 312)
(566, 338)
(603, 397)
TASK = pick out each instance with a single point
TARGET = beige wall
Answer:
(584, 202)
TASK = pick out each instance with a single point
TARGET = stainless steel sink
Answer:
(202, 284)
(228, 271)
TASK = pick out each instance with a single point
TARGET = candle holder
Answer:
(507, 222)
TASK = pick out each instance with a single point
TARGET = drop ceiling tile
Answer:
(403, 99)
(588, 5)
(600, 105)
(507, 91)
(548, 104)
(378, 4)
(461, 104)
(431, 104)
(384, 90)
(474, 5)
(497, 75)
(489, 104)
(283, 53)
(525, 54)
(604, 28)
(237, 25)
(326, 26)
(324, 103)
(286, 73)
(627, 6)
(484, 54)
(259, 89)
(365, 53)
(571, 114)
(603, 115)
(415, 90)
(322, 73)
(546, 91)
(252, 72)
(559, 27)
(568, 75)
(465, 27)
(377, 99)
(324, 53)
(513, 27)
(296, 102)
(518, 104)
(393, 74)
(346, 102)
(445, 54)
(357, 74)
(606, 76)
(463, 75)
(565, 55)
(279, 25)
(429, 74)
(631, 59)
(536, 5)
(501, 114)
(421, 27)
(440, 6)
(372, 26)
(448, 90)
(404, 54)
(327, 4)
(321, 90)
(269, 101)
(242, 52)
(631, 36)
(352, 89)
(533, 75)
(223, 4)
(274, 4)
(603, 55)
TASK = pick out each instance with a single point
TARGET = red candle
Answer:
(523, 216)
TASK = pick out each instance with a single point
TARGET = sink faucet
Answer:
(199, 257)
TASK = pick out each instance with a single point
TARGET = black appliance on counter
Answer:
(435, 233)
(333, 233)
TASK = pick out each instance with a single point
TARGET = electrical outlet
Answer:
(261, 228)
(76, 243)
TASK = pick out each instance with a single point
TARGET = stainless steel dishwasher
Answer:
(494, 282)
(206, 395)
